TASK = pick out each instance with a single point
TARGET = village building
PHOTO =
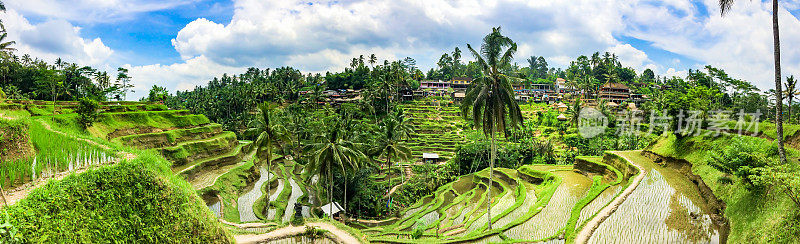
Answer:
(460, 83)
(614, 92)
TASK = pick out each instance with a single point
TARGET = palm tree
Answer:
(491, 97)
(725, 7)
(574, 112)
(268, 132)
(791, 91)
(389, 145)
(404, 126)
(372, 60)
(5, 46)
(333, 150)
(386, 83)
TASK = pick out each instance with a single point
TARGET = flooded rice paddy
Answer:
(555, 214)
(666, 207)
(250, 196)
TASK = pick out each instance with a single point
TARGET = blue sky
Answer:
(183, 43)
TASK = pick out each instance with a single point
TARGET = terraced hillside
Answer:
(438, 129)
(221, 168)
(533, 203)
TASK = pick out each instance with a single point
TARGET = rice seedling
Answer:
(656, 212)
(55, 153)
(554, 216)
(530, 200)
(249, 198)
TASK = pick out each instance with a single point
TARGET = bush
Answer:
(745, 160)
(2, 94)
(87, 112)
(137, 201)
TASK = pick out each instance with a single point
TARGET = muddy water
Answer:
(247, 199)
(555, 214)
(666, 207)
(271, 211)
(215, 206)
(530, 200)
(296, 193)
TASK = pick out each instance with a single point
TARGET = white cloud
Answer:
(740, 42)
(53, 39)
(317, 36)
(180, 76)
(630, 56)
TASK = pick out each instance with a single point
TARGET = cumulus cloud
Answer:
(630, 56)
(740, 42)
(53, 39)
(180, 76)
(322, 35)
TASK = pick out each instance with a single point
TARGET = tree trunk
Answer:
(269, 171)
(789, 109)
(330, 191)
(491, 174)
(778, 95)
(344, 173)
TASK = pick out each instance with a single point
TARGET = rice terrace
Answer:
(399, 122)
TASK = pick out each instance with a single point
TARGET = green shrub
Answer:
(2, 94)
(87, 112)
(138, 201)
(744, 159)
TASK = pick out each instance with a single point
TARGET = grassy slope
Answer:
(754, 217)
(138, 201)
(134, 201)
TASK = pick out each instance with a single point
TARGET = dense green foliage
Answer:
(31, 78)
(133, 201)
(87, 112)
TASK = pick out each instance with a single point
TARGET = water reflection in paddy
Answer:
(666, 207)
(246, 200)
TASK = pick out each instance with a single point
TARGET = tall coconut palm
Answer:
(725, 7)
(390, 143)
(404, 126)
(372, 60)
(5, 46)
(268, 133)
(791, 91)
(333, 150)
(574, 112)
(491, 97)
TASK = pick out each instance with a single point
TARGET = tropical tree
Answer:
(5, 46)
(268, 133)
(725, 7)
(404, 126)
(390, 144)
(333, 150)
(574, 112)
(491, 97)
(372, 60)
(791, 91)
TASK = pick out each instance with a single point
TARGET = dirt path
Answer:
(585, 233)
(407, 171)
(340, 236)
(16, 194)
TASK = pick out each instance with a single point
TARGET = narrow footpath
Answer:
(408, 173)
(340, 236)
